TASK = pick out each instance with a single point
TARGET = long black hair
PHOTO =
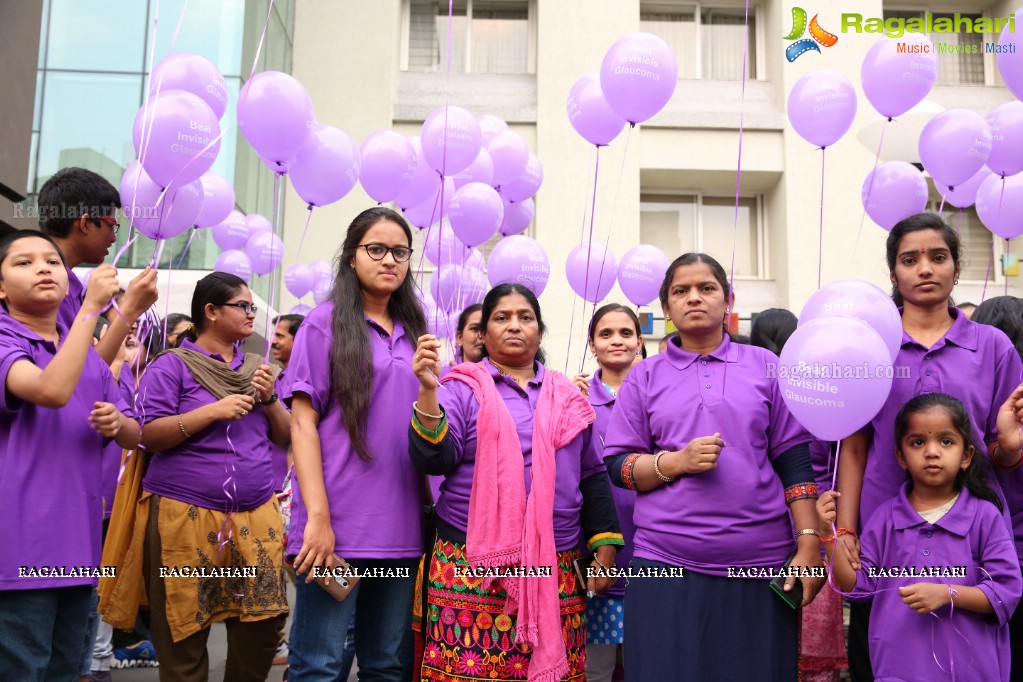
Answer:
(915, 223)
(973, 477)
(1005, 313)
(351, 359)
(216, 288)
(772, 329)
(494, 296)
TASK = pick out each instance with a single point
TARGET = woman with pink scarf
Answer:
(523, 477)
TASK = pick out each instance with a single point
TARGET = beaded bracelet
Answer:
(657, 469)
(181, 425)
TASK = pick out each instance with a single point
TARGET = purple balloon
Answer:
(325, 167)
(388, 165)
(896, 80)
(434, 208)
(235, 262)
(822, 106)
(300, 309)
(454, 287)
(441, 246)
(257, 224)
(476, 212)
(519, 259)
(1010, 64)
(322, 271)
(480, 170)
(321, 291)
(1006, 123)
(965, 193)
(590, 114)
(233, 233)
(638, 76)
(861, 301)
(173, 132)
(450, 140)
(591, 270)
(474, 260)
(835, 374)
(266, 251)
(527, 184)
(280, 167)
(274, 111)
(954, 145)
(424, 183)
(1000, 207)
(640, 273)
(517, 216)
(154, 217)
(193, 73)
(218, 200)
(893, 191)
(510, 155)
(490, 126)
(299, 279)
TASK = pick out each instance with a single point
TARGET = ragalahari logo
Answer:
(818, 34)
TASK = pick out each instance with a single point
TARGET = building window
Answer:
(487, 36)
(679, 224)
(960, 68)
(978, 243)
(707, 41)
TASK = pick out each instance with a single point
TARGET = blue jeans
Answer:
(320, 624)
(85, 667)
(42, 631)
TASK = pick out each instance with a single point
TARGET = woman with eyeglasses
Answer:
(356, 494)
(213, 539)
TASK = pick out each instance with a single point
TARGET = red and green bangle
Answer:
(801, 491)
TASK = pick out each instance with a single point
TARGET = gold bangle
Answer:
(657, 469)
(810, 531)
(415, 406)
(181, 425)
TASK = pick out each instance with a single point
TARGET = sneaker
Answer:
(141, 655)
(100, 676)
(281, 657)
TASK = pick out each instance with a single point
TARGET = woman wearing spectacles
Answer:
(356, 494)
(210, 413)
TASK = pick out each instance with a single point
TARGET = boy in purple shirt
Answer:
(939, 548)
(53, 489)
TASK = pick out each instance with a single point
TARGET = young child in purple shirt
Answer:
(937, 560)
(61, 406)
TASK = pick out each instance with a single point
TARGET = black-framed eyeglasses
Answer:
(247, 308)
(110, 222)
(378, 251)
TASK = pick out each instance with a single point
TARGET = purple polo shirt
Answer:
(973, 362)
(735, 514)
(279, 456)
(625, 500)
(578, 460)
(112, 452)
(226, 466)
(822, 456)
(903, 643)
(72, 303)
(376, 507)
(50, 469)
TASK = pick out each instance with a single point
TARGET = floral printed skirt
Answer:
(468, 636)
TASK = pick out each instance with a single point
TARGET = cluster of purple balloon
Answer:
(637, 78)
(249, 245)
(836, 369)
(315, 277)
(176, 135)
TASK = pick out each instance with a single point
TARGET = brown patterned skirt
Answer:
(469, 637)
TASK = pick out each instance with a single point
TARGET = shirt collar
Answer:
(962, 333)
(495, 372)
(236, 361)
(9, 323)
(681, 359)
(399, 329)
(598, 394)
(955, 521)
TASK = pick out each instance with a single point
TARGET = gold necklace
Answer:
(506, 374)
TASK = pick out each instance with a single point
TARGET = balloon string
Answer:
(571, 319)
(305, 229)
(589, 241)
(870, 186)
(259, 47)
(941, 206)
(990, 265)
(1004, 278)
(184, 252)
(229, 481)
(271, 304)
(820, 238)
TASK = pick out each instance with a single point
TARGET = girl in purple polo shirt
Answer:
(942, 351)
(616, 341)
(56, 386)
(356, 494)
(725, 494)
(940, 548)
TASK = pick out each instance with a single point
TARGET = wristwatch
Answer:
(271, 400)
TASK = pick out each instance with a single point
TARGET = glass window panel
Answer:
(953, 68)
(38, 109)
(212, 28)
(428, 30)
(34, 150)
(44, 32)
(977, 242)
(677, 27)
(668, 224)
(717, 229)
(500, 39)
(87, 121)
(276, 45)
(97, 35)
(722, 36)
